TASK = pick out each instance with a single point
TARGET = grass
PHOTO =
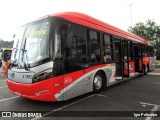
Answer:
(158, 61)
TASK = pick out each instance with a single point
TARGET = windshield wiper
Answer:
(26, 65)
(24, 52)
(12, 64)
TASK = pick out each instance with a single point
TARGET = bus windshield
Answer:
(17, 44)
(32, 42)
(36, 42)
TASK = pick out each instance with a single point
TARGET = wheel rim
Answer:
(97, 82)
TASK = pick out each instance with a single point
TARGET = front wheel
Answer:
(97, 83)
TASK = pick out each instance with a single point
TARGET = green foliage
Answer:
(148, 30)
(6, 44)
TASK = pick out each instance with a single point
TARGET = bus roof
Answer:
(94, 23)
(6, 49)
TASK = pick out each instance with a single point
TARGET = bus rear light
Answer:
(40, 92)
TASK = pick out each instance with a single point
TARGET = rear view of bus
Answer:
(5, 56)
(65, 55)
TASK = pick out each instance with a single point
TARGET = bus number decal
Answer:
(27, 76)
(67, 80)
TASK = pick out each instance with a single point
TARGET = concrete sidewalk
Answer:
(157, 69)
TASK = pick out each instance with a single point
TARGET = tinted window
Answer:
(117, 52)
(94, 47)
(75, 49)
(145, 53)
(78, 47)
(108, 51)
(130, 51)
(150, 51)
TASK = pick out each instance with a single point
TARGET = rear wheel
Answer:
(98, 83)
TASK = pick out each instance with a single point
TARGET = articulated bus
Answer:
(64, 55)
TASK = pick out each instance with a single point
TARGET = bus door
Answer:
(137, 57)
(140, 58)
(118, 58)
(125, 59)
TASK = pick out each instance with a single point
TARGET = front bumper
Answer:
(42, 91)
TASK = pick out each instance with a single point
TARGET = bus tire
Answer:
(144, 70)
(98, 82)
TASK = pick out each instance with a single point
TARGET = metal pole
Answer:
(130, 5)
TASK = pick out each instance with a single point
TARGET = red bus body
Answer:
(70, 85)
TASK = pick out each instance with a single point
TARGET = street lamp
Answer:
(130, 5)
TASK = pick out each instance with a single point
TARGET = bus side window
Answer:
(107, 49)
(78, 48)
(144, 49)
(130, 51)
(75, 49)
(150, 51)
(94, 47)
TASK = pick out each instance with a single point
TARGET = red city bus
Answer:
(64, 55)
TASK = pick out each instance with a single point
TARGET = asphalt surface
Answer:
(139, 94)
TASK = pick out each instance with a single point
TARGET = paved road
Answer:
(138, 94)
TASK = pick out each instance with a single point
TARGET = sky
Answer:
(14, 13)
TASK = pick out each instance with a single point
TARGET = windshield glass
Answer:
(36, 42)
(17, 44)
(31, 43)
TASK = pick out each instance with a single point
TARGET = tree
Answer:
(148, 30)
(6, 44)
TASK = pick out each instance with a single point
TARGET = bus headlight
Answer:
(42, 76)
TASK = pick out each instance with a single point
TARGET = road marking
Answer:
(58, 109)
(4, 87)
(153, 73)
(148, 104)
(155, 108)
(157, 82)
(8, 98)
(101, 95)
